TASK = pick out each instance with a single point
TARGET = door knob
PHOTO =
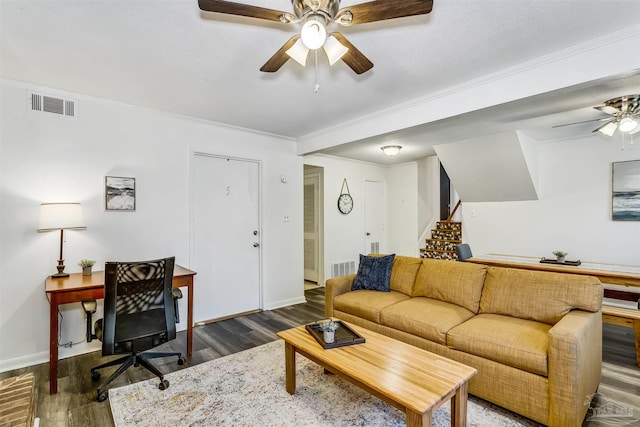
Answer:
(256, 244)
(368, 234)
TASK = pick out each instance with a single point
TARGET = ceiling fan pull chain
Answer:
(316, 88)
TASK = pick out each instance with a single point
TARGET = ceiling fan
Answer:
(316, 16)
(624, 115)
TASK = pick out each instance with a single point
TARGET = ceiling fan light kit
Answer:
(316, 16)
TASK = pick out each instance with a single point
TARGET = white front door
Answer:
(225, 236)
(374, 217)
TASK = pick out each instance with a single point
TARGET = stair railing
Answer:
(453, 212)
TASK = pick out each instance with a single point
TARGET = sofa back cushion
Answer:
(538, 295)
(403, 273)
(455, 282)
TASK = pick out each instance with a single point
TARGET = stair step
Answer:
(434, 254)
(443, 245)
(447, 234)
(444, 225)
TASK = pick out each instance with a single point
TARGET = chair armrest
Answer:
(575, 366)
(335, 287)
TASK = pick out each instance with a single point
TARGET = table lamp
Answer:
(60, 216)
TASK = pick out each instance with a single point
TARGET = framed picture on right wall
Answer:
(626, 191)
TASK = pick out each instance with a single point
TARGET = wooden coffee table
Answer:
(411, 379)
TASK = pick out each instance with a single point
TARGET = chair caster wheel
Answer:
(102, 396)
(164, 384)
(181, 361)
(95, 376)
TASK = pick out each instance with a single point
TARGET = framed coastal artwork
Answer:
(626, 191)
(120, 193)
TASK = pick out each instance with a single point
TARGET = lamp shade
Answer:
(334, 49)
(298, 52)
(61, 216)
(313, 34)
(627, 124)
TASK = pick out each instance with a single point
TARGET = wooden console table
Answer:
(77, 288)
(614, 274)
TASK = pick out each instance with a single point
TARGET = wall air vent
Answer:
(51, 104)
(343, 268)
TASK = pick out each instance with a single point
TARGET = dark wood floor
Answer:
(75, 404)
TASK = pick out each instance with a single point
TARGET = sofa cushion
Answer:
(455, 282)
(519, 343)
(403, 273)
(366, 303)
(538, 295)
(374, 273)
(425, 317)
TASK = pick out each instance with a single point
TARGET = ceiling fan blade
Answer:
(232, 8)
(280, 57)
(380, 10)
(607, 109)
(354, 58)
(584, 121)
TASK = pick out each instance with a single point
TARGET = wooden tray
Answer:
(344, 335)
(555, 261)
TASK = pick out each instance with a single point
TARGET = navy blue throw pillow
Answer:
(374, 273)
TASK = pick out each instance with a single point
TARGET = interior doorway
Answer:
(313, 227)
(374, 242)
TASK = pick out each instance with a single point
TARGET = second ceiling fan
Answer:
(316, 16)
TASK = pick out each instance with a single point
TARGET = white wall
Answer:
(46, 157)
(344, 235)
(573, 212)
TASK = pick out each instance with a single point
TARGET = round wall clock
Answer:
(345, 201)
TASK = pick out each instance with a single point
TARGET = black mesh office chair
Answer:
(463, 251)
(138, 315)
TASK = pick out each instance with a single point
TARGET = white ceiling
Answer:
(170, 56)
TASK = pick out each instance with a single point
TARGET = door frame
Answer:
(191, 182)
(319, 170)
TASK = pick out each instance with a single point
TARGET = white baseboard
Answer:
(43, 357)
(285, 303)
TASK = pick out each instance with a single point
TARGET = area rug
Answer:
(248, 389)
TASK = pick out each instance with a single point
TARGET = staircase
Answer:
(444, 239)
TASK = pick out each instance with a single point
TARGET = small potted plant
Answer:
(86, 265)
(328, 329)
(560, 255)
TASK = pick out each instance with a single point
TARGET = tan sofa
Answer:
(534, 337)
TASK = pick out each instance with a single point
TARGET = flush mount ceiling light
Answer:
(391, 150)
(316, 16)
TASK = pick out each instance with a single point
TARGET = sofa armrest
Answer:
(575, 366)
(335, 287)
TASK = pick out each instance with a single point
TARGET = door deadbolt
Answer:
(256, 244)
